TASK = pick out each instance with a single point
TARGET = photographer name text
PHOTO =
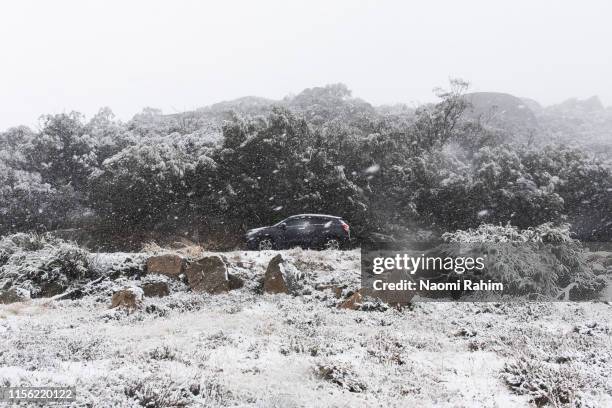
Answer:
(424, 285)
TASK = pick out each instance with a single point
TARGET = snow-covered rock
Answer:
(169, 265)
(208, 274)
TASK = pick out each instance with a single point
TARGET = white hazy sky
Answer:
(58, 56)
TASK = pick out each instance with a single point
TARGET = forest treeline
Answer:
(214, 172)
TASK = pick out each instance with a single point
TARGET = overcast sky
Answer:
(58, 56)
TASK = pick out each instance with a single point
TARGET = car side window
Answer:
(322, 222)
(295, 222)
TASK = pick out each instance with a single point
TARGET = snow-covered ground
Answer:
(249, 349)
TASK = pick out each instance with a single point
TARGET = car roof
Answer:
(333, 217)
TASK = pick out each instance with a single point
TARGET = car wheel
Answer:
(332, 244)
(265, 244)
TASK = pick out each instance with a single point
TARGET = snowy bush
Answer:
(217, 171)
(20, 242)
(558, 371)
(341, 374)
(546, 383)
(156, 393)
(544, 260)
(41, 264)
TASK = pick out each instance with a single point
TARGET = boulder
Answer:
(208, 274)
(155, 289)
(275, 279)
(129, 298)
(169, 265)
(353, 302)
(13, 295)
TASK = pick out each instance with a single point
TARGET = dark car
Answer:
(305, 230)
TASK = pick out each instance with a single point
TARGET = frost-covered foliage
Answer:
(523, 186)
(41, 264)
(487, 233)
(212, 173)
(26, 202)
(151, 181)
(558, 371)
(341, 375)
(544, 260)
(274, 167)
(25, 242)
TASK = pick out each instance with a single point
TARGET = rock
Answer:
(282, 277)
(155, 289)
(13, 295)
(208, 274)
(353, 302)
(130, 298)
(169, 265)
(275, 279)
(235, 282)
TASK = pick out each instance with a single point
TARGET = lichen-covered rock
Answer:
(208, 274)
(169, 265)
(129, 298)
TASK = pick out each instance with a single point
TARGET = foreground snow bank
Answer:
(247, 348)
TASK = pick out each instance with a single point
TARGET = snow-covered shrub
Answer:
(163, 352)
(488, 233)
(117, 265)
(546, 383)
(25, 242)
(341, 374)
(41, 264)
(70, 261)
(544, 260)
(154, 393)
(163, 390)
(386, 349)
